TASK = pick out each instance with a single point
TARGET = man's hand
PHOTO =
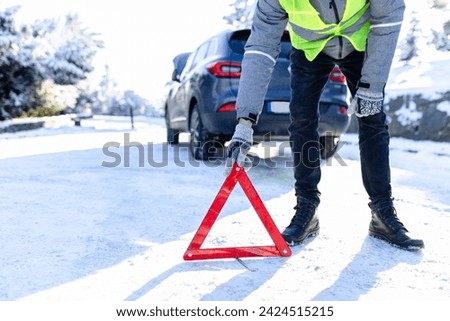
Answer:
(366, 103)
(240, 144)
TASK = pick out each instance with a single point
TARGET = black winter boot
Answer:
(304, 224)
(385, 225)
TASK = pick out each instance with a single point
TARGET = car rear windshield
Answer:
(239, 38)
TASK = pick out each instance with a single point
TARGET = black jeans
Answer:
(307, 82)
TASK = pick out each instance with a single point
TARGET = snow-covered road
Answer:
(85, 218)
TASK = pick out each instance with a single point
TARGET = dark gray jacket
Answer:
(269, 23)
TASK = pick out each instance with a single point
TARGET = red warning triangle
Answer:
(194, 250)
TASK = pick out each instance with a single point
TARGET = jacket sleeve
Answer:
(386, 19)
(261, 51)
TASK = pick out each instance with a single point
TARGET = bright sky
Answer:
(141, 36)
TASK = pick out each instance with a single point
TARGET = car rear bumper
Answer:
(272, 126)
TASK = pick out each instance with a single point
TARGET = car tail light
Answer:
(342, 110)
(225, 69)
(336, 75)
(227, 107)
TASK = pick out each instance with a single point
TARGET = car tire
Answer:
(200, 144)
(328, 146)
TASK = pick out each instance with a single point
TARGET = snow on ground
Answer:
(85, 218)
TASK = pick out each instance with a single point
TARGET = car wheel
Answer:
(200, 144)
(328, 146)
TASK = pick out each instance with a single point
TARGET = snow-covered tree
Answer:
(107, 99)
(128, 103)
(54, 99)
(19, 73)
(45, 50)
(103, 97)
(74, 48)
(425, 30)
(125, 104)
(242, 15)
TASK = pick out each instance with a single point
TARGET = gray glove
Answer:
(366, 103)
(240, 144)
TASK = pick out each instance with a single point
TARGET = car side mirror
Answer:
(175, 76)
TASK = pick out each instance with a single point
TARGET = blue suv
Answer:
(201, 98)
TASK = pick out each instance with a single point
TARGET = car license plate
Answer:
(278, 107)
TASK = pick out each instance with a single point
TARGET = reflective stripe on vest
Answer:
(309, 33)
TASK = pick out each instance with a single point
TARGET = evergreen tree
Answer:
(20, 74)
(131, 103)
(47, 50)
(242, 15)
(103, 98)
(425, 30)
(74, 50)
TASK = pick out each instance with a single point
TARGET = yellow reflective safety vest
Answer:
(309, 33)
